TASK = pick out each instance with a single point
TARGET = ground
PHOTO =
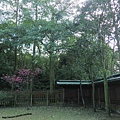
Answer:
(55, 113)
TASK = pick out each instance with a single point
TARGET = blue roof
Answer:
(88, 82)
(110, 79)
(73, 82)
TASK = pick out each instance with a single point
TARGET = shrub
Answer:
(5, 98)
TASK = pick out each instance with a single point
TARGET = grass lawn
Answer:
(55, 113)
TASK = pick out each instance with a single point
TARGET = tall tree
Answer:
(98, 13)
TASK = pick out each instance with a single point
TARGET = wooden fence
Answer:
(35, 98)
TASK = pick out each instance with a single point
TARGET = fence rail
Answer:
(27, 98)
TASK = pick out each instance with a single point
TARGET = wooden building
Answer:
(72, 91)
(114, 90)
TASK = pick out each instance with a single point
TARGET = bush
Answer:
(5, 98)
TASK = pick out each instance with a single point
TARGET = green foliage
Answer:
(67, 45)
(5, 95)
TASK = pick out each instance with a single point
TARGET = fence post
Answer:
(31, 99)
(78, 96)
(15, 99)
(47, 96)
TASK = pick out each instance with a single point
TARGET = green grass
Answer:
(53, 113)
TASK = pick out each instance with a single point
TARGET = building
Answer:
(72, 90)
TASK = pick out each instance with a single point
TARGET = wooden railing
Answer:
(35, 98)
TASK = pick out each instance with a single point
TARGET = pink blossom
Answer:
(23, 76)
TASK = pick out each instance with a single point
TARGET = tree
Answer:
(21, 80)
(69, 45)
(99, 14)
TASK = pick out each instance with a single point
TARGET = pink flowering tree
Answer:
(22, 79)
(25, 74)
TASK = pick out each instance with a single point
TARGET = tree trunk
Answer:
(33, 57)
(93, 96)
(112, 61)
(104, 65)
(116, 25)
(52, 73)
(106, 93)
(82, 97)
(15, 59)
(93, 92)
(15, 39)
(93, 87)
(34, 43)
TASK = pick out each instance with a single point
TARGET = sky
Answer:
(78, 1)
